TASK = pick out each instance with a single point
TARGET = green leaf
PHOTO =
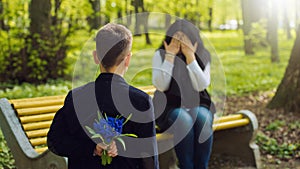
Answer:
(90, 130)
(99, 116)
(105, 116)
(98, 136)
(122, 142)
(130, 135)
(127, 118)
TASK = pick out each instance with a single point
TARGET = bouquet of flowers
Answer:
(109, 129)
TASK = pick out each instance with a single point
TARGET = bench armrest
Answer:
(22, 151)
(13, 132)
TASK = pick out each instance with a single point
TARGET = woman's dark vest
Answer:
(181, 93)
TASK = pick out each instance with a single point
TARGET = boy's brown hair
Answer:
(113, 42)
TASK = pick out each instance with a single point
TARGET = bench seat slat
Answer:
(38, 110)
(37, 133)
(165, 136)
(228, 118)
(41, 149)
(38, 141)
(36, 118)
(37, 125)
(148, 89)
(230, 124)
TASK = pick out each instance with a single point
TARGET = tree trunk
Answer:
(40, 17)
(128, 14)
(247, 14)
(287, 95)
(95, 20)
(2, 24)
(40, 37)
(44, 51)
(297, 14)
(145, 18)
(146, 30)
(137, 29)
(129, 18)
(46, 48)
(120, 16)
(286, 22)
(272, 32)
(253, 11)
(210, 12)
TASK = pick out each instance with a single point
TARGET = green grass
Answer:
(26, 90)
(252, 73)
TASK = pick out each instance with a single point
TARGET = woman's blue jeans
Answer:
(193, 136)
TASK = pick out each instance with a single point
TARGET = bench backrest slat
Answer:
(38, 110)
(37, 133)
(35, 118)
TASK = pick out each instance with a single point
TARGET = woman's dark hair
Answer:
(192, 33)
(112, 41)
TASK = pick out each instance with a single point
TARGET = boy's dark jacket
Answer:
(112, 95)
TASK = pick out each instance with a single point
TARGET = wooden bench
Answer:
(25, 123)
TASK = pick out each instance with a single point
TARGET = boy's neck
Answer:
(114, 70)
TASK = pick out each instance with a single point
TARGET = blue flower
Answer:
(116, 123)
(108, 129)
(105, 130)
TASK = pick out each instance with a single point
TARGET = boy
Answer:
(112, 95)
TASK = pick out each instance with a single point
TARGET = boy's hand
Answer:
(111, 149)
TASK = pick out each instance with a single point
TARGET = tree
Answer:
(210, 14)
(249, 17)
(287, 95)
(248, 46)
(286, 22)
(2, 24)
(136, 4)
(272, 31)
(297, 14)
(46, 40)
(128, 13)
(141, 19)
(39, 42)
(95, 19)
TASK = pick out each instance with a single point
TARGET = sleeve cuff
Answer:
(193, 65)
(168, 64)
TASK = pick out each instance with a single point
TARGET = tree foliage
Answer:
(37, 31)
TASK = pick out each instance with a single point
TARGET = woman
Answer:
(181, 74)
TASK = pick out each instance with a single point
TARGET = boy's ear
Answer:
(96, 59)
(127, 59)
